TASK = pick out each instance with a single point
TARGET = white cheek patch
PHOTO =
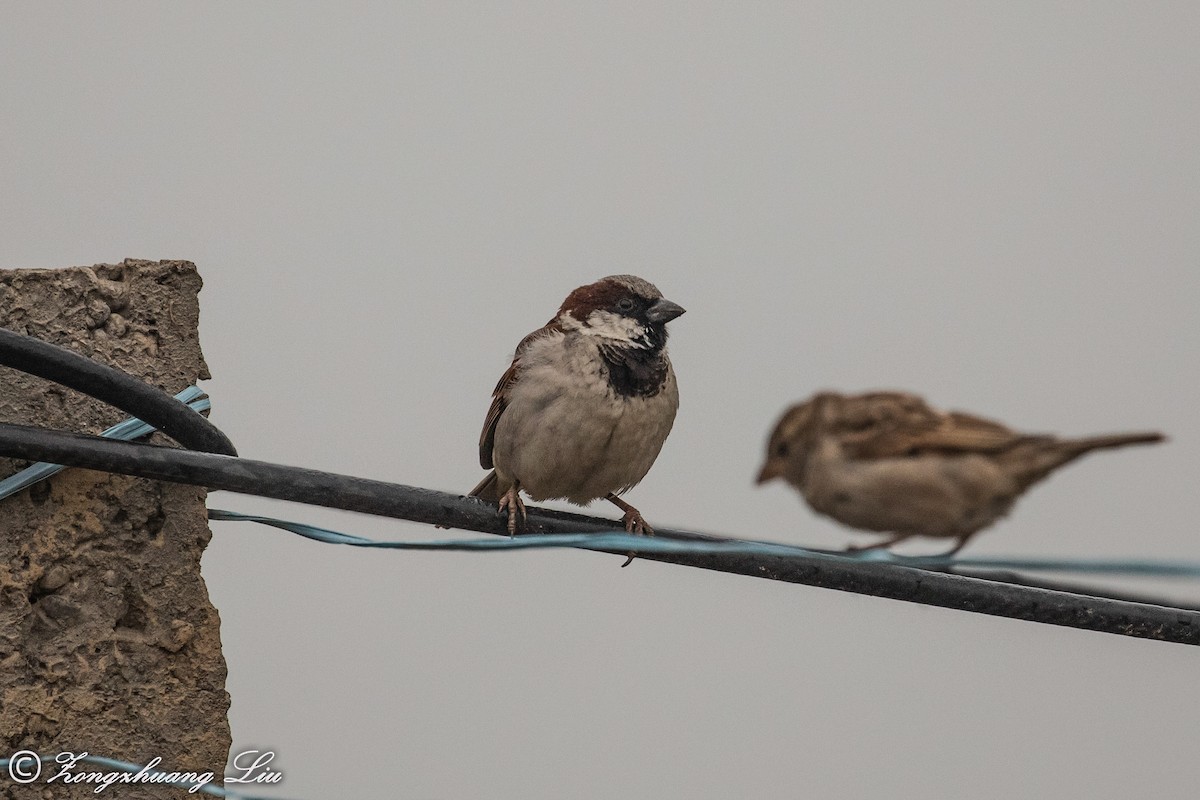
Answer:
(608, 325)
(569, 322)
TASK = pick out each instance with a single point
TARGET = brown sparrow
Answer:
(587, 403)
(887, 462)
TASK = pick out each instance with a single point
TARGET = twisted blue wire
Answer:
(197, 400)
(644, 544)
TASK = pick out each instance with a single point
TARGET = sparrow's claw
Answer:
(512, 502)
(632, 521)
(635, 524)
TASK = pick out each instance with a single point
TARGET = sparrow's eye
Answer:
(781, 449)
(625, 304)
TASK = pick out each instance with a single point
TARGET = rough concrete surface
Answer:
(108, 641)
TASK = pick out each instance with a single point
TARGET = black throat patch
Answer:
(633, 371)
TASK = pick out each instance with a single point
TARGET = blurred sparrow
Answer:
(587, 403)
(887, 462)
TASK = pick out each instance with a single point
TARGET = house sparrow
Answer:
(887, 462)
(587, 403)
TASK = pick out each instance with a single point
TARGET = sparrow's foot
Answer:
(511, 500)
(633, 522)
(962, 542)
(886, 543)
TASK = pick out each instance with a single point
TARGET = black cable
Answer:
(114, 387)
(1035, 604)
(1074, 587)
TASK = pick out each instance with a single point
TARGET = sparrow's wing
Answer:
(966, 433)
(892, 424)
(499, 402)
(487, 438)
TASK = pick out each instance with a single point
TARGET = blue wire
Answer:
(644, 544)
(194, 397)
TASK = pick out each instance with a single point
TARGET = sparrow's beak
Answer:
(663, 310)
(770, 470)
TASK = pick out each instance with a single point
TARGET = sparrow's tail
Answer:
(487, 489)
(1043, 455)
(1082, 446)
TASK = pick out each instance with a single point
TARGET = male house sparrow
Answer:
(887, 462)
(587, 403)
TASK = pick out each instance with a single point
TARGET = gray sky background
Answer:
(994, 204)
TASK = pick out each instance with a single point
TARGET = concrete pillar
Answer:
(108, 641)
